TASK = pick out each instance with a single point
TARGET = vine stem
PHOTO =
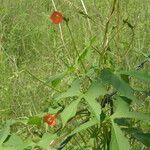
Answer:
(74, 44)
(105, 39)
(54, 5)
(60, 30)
(85, 10)
(105, 42)
(44, 83)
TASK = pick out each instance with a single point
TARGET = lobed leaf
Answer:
(74, 90)
(69, 111)
(141, 75)
(35, 120)
(84, 126)
(122, 111)
(118, 140)
(45, 141)
(119, 84)
(139, 135)
(96, 89)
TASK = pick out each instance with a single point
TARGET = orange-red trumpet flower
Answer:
(56, 17)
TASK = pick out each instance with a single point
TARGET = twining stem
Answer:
(61, 33)
(54, 5)
(85, 10)
(118, 23)
(105, 43)
(44, 83)
(63, 42)
(74, 44)
(105, 39)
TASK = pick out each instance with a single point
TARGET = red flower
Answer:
(50, 119)
(56, 17)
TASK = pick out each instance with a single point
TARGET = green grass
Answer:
(32, 49)
(29, 41)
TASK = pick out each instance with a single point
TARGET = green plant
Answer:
(107, 121)
(76, 89)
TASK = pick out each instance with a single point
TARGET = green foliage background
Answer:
(32, 54)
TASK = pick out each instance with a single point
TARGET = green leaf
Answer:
(84, 126)
(118, 140)
(53, 111)
(122, 111)
(47, 138)
(55, 80)
(84, 54)
(95, 107)
(6, 130)
(137, 115)
(96, 89)
(141, 75)
(29, 143)
(139, 135)
(123, 122)
(122, 105)
(15, 142)
(119, 84)
(7, 148)
(35, 120)
(69, 111)
(4, 134)
(125, 78)
(74, 90)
